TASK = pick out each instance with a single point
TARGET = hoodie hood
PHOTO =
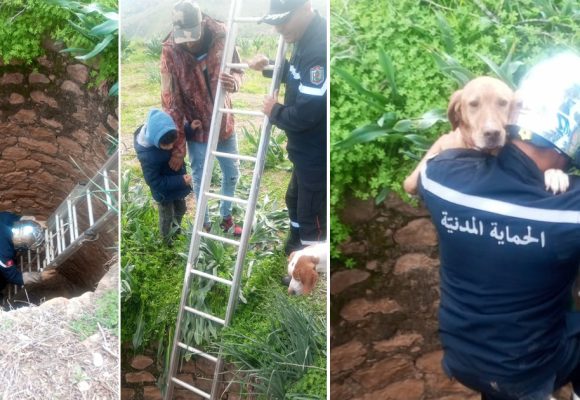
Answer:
(158, 124)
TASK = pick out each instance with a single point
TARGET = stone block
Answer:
(141, 362)
(24, 117)
(38, 145)
(14, 78)
(139, 377)
(15, 153)
(70, 86)
(16, 98)
(36, 77)
(41, 98)
(78, 73)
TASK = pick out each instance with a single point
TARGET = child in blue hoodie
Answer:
(153, 143)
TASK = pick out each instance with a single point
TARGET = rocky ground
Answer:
(384, 340)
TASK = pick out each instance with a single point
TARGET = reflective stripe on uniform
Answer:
(312, 90)
(497, 206)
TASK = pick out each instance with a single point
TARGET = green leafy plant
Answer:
(276, 153)
(270, 364)
(98, 25)
(80, 25)
(153, 47)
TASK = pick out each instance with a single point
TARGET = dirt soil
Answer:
(384, 329)
(42, 357)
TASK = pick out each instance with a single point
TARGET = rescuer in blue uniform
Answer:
(9, 271)
(510, 253)
(302, 116)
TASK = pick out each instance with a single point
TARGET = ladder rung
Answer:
(204, 315)
(210, 276)
(248, 19)
(218, 238)
(246, 66)
(226, 198)
(197, 352)
(241, 112)
(191, 388)
(234, 156)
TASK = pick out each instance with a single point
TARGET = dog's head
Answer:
(481, 110)
(302, 269)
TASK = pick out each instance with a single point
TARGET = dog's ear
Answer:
(290, 256)
(297, 273)
(309, 279)
(314, 260)
(454, 109)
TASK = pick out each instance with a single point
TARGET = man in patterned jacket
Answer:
(190, 71)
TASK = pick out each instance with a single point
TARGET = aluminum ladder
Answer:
(198, 233)
(86, 210)
(83, 213)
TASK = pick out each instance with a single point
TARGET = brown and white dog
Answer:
(478, 114)
(305, 265)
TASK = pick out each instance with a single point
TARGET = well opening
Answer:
(58, 130)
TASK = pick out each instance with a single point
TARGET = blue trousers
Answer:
(533, 390)
(229, 167)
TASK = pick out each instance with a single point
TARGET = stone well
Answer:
(56, 131)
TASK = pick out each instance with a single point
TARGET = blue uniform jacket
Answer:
(165, 183)
(7, 220)
(510, 252)
(303, 115)
(11, 274)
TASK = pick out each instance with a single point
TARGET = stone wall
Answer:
(56, 130)
(384, 330)
(51, 122)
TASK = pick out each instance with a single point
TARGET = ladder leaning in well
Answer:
(198, 233)
(88, 209)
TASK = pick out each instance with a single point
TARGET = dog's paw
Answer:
(556, 180)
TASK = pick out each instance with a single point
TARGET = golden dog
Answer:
(478, 114)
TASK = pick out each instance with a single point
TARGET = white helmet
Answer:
(550, 113)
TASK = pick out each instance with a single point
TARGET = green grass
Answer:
(250, 343)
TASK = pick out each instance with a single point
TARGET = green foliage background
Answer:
(25, 23)
(407, 30)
